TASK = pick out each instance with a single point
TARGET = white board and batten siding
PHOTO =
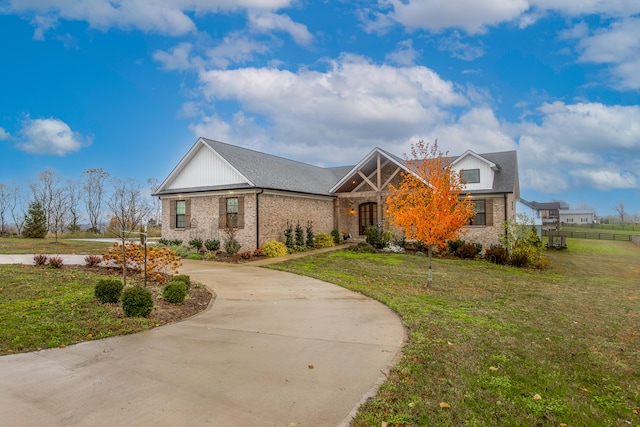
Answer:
(206, 168)
(486, 173)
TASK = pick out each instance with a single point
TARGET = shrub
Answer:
(336, 236)
(174, 292)
(310, 235)
(288, 236)
(453, 246)
(518, 259)
(299, 235)
(182, 278)
(163, 241)
(212, 245)
(175, 242)
(392, 248)
(421, 246)
(160, 260)
(137, 302)
(325, 240)
(40, 259)
(108, 290)
(196, 243)
(180, 251)
(497, 255)
(376, 237)
(232, 246)
(257, 252)
(467, 251)
(246, 254)
(274, 249)
(56, 262)
(478, 248)
(194, 256)
(92, 260)
(363, 248)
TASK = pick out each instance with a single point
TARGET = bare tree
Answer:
(621, 210)
(5, 201)
(154, 184)
(93, 195)
(73, 202)
(59, 212)
(45, 191)
(17, 207)
(129, 210)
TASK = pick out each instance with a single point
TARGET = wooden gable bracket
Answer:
(367, 179)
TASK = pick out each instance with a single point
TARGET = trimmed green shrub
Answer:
(196, 243)
(181, 251)
(467, 251)
(453, 246)
(163, 241)
(376, 237)
(363, 248)
(288, 237)
(174, 292)
(194, 256)
(324, 241)
(310, 235)
(137, 302)
(274, 249)
(108, 290)
(336, 236)
(232, 246)
(212, 245)
(183, 278)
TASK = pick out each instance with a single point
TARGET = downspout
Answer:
(258, 218)
(506, 216)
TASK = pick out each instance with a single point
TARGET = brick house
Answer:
(217, 185)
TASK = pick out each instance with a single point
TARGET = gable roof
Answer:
(483, 158)
(263, 170)
(254, 169)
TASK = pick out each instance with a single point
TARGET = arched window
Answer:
(368, 215)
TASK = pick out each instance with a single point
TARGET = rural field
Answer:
(491, 345)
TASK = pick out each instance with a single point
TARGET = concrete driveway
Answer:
(275, 349)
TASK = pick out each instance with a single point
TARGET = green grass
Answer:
(489, 340)
(44, 307)
(11, 245)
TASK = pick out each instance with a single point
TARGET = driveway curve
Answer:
(274, 349)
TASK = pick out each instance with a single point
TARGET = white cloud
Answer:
(459, 49)
(178, 58)
(580, 146)
(169, 17)
(50, 136)
(354, 102)
(4, 134)
(235, 48)
(405, 54)
(268, 21)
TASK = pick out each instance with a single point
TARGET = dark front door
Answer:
(368, 215)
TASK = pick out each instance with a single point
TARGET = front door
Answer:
(368, 215)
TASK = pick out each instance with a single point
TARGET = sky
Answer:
(129, 85)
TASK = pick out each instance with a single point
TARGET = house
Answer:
(577, 216)
(545, 215)
(218, 187)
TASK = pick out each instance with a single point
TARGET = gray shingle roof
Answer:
(273, 172)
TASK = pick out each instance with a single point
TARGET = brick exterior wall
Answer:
(275, 211)
(490, 235)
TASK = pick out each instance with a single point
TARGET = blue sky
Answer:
(128, 86)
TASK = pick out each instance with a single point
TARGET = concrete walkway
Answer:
(275, 349)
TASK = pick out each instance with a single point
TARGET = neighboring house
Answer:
(577, 216)
(218, 187)
(544, 214)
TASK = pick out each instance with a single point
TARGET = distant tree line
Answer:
(51, 205)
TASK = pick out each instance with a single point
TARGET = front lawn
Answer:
(491, 345)
(15, 245)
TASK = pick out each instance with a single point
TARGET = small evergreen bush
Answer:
(453, 246)
(376, 237)
(232, 246)
(174, 292)
(163, 241)
(310, 235)
(324, 240)
(181, 251)
(363, 248)
(137, 302)
(196, 243)
(212, 245)
(288, 237)
(175, 242)
(336, 236)
(274, 249)
(299, 235)
(108, 290)
(182, 278)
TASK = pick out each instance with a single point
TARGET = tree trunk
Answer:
(430, 276)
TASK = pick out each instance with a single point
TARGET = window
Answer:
(480, 208)
(232, 212)
(470, 176)
(181, 213)
(368, 215)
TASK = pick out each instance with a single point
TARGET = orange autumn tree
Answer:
(428, 204)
